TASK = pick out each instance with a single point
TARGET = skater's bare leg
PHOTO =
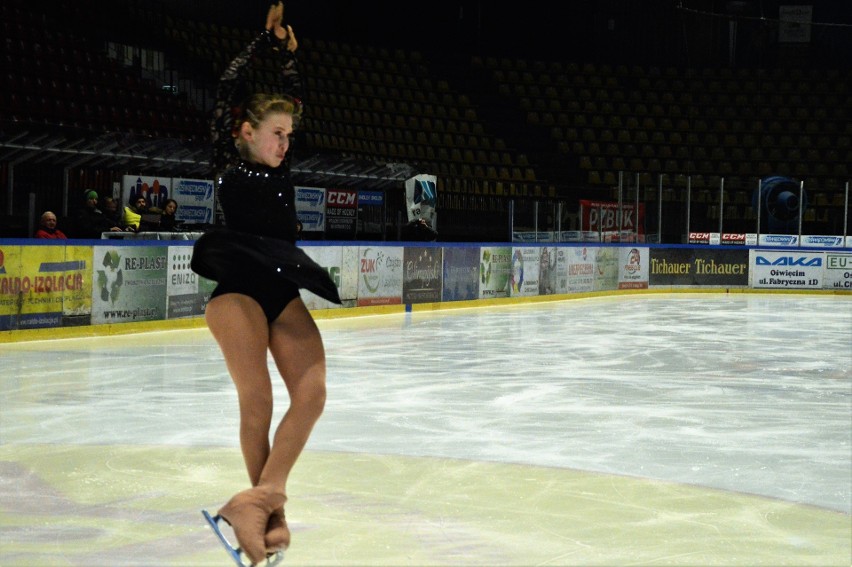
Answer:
(297, 349)
(239, 326)
(241, 329)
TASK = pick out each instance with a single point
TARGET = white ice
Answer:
(742, 392)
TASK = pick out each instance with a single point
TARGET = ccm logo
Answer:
(733, 237)
(699, 236)
(342, 198)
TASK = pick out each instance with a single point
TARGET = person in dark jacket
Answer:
(168, 221)
(90, 221)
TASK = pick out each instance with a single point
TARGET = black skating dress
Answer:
(256, 254)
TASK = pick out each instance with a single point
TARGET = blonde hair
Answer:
(259, 106)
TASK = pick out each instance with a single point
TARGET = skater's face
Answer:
(269, 141)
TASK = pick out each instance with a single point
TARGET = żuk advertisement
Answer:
(380, 275)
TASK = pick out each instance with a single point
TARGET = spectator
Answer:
(47, 227)
(90, 221)
(132, 218)
(168, 222)
(111, 210)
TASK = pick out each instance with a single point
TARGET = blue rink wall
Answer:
(52, 289)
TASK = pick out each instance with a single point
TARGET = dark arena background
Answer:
(522, 111)
(628, 343)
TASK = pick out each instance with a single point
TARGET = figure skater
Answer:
(256, 305)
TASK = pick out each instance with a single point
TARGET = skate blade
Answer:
(235, 552)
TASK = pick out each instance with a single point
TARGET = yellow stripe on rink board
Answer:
(100, 330)
(112, 505)
(339, 313)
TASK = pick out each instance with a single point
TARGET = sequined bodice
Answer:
(259, 200)
(255, 199)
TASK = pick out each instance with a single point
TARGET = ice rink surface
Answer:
(663, 429)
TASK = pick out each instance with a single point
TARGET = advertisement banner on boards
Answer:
(422, 273)
(341, 210)
(607, 268)
(523, 279)
(698, 267)
(44, 286)
(380, 274)
(838, 271)
(461, 273)
(579, 269)
(154, 189)
(633, 268)
(778, 240)
(331, 259)
(195, 199)
(602, 216)
(786, 269)
(187, 293)
(310, 208)
(561, 269)
(698, 238)
(817, 241)
(547, 274)
(733, 239)
(495, 269)
(129, 283)
(370, 212)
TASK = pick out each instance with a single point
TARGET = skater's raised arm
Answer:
(276, 43)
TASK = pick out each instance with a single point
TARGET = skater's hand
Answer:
(274, 22)
(274, 18)
(292, 44)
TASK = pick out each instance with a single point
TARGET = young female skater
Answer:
(256, 306)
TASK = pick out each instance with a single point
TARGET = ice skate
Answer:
(238, 555)
(277, 536)
(248, 513)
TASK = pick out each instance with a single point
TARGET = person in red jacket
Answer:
(47, 227)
